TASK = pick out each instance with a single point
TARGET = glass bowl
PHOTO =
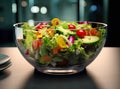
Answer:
(60, 47)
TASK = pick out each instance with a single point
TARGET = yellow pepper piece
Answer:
(55, 21)
(50, 32)
(61, 42)
(89, 26)
(39, 35)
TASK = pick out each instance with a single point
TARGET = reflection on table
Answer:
(102, 73)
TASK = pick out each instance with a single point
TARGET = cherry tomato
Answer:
(81, 33)
(36, 44)
(71, 26)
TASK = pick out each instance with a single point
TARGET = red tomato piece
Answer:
(36, 44)
(94, 32)
(39, 26)
(71, 26)
(81, 33)
(56, 49)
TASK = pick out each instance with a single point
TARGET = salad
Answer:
(61, 43)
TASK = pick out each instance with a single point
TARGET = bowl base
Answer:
(61, 71)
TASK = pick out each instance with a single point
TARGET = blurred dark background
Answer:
(13, 11)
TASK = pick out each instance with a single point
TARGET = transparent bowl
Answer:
(58, 49)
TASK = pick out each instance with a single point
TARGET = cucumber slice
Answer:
(90, 39)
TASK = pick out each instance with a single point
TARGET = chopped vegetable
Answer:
(81, 33)
(55, 21)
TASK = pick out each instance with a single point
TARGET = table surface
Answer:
(102, 73)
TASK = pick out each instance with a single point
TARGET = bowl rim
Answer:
(100, 23)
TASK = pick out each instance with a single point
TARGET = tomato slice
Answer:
(56, 49)
(94, 32)
(36, 44)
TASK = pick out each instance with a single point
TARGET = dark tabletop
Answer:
(102, 73)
